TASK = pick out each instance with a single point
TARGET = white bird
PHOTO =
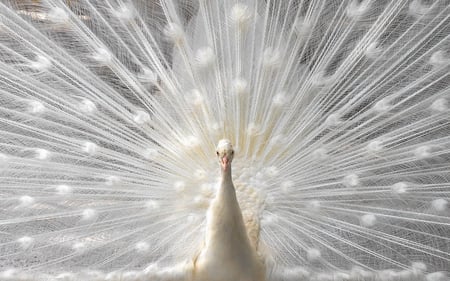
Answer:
(228, 253)
(110, 112)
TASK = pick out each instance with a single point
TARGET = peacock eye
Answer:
(232, 152)
(217, 152)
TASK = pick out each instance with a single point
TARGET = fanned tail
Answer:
(338, 110)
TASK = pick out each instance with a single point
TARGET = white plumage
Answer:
(229, 251)
(338, 111)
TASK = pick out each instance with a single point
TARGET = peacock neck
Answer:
(226, 176)
(225, 224)
(226, 194)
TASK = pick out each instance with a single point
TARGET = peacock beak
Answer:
(225, 161)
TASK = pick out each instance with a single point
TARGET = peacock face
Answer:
(225, 152)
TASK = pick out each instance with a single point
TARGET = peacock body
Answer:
(110, 112)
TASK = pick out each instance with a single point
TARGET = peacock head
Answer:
(225, 153)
